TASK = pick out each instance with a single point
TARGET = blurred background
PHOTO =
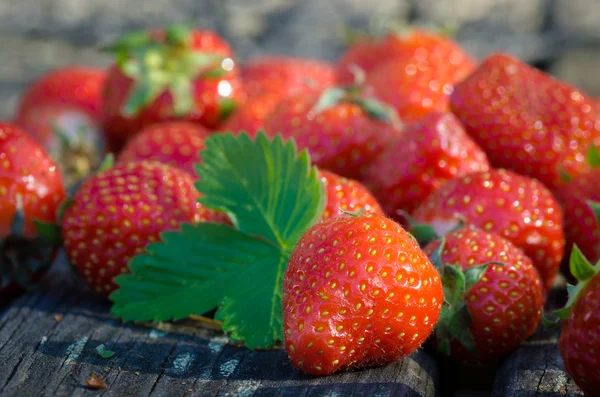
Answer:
(559, 36)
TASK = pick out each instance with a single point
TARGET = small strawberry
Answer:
(516, 207)
(31, 189)
(346, 195)
(283, 76)
(526, 120)
(252, 116)
(177, 143)
(118, 211)
(491, 309)
(432, 151)
(342, 129)
(430, 46)
(358, 292)
(169, 74)
(580, 335)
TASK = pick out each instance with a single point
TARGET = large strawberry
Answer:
(252, 116)
(342, 129)
(515, 207)
(423, 45)
(31, 189)
(526, 120)
(169, 74)
(346, 195)
(283, 76)
(177, 143)
(580, 335)
(490, 309)
(432, 151)
(358, 291)
(118, 211)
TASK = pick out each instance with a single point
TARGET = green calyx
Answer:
(584, 272)
(592, 156)
(425, 233)
(165, 64)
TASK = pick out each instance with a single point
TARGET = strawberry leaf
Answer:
(593, 156)
(273, 195)
(580, 267)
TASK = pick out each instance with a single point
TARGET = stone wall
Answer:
(562, 36)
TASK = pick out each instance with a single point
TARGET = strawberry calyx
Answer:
(584, 272)
(592, 156)
(425, 233)
(165, 61)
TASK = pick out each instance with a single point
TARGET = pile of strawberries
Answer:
(455, 188)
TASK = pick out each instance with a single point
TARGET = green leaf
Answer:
(580, 267)
(144, 91)
(181, 90)
(177, 34)
(454, 284)
(593, 156)
(50, 232)
(265, 187)
(423, 233)
(330, 97)
(473, 274)
(103, 352)
(379, 111)
(107, 163)
(564, 175)
(595, 207)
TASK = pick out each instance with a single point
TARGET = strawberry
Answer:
(31, 189)
(283, 76)
(77, 87)
(342, 129)
(498, 306)
(515, 207)
(169, 74)
(358, 292)
(177, 143)
(432, 151)
(346, 195)
(436, 48)
(252, 116)
(118, 211)
(580, 334)
(526, 120)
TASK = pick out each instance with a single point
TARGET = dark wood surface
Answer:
(48, 341)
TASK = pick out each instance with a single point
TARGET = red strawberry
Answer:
(346, 195)
(526, 120)
(342, 129)
(283, 76)
(31, 188)
(358, 292)
(117, 212)
(368, 54)
(580, 335)
(170, 74)
(515, 207)
(177, 143)
(77, 87)
(431, 152)
(252, 116)
(499, 305)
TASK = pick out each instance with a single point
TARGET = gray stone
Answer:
(579, 66)
(580, 16)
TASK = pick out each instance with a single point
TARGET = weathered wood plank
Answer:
(48, 340)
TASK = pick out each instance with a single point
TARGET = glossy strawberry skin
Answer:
(358, 291)
(505, 304)
(284, 76)
(252, 116)
(580, 339)
(345, 194)
(515, 207)
(27, 171)
(368, 54)
(525, 120)
(342, 138)
(209, 96)
(431, 151)
(117, 212)
(176, 143)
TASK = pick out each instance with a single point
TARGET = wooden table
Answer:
(48, 341)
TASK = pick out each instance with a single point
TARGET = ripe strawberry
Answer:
(117, 212)
(432, 151)
(580, 335)
(526, 120)
(31, 189)
(177, 143)
(342, 129)
(283, 76)
(358, 292)
(426, 46)
(499, 305)
(516, 207)
(170, 74)
(77, 87)
(346, 195)
(252, 116)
